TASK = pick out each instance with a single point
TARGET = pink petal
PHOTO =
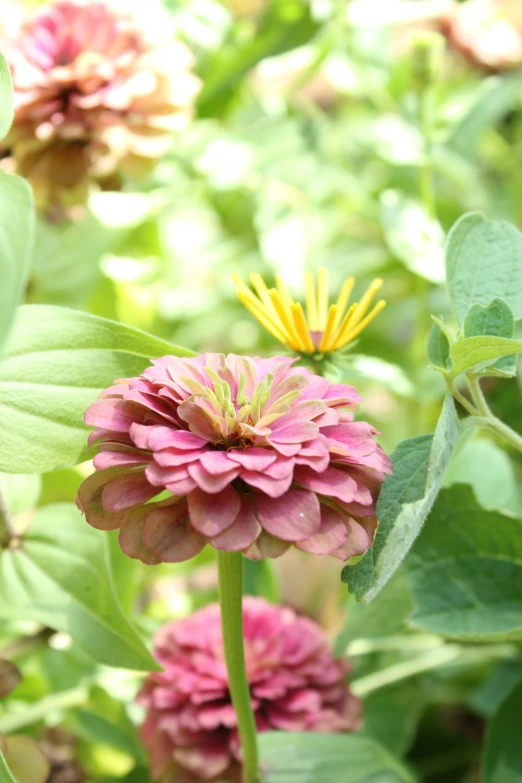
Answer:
(266, 546)
(111, 414)
(211, 514)
(359, 539)
(112, 458)
(132, 489)
(89, 500)
(131, 537)
(274, 488)
(216, 462)
(169, 535)
(242, 532)
(293, 517)
(253, 458)
(332, 482)
(209, 482)
(330, 537)
(295, 433)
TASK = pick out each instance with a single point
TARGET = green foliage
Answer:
(6, 97)
(60, 577)
(327, 758)
(465, 570)
(404, 503)
(5, 773)
(502, 757)
(438, 348)
(57, 362)
(16, 237)
(480, 351)
(483, 261)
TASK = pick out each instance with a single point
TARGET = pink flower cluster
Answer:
(295, 683)
(255, 455)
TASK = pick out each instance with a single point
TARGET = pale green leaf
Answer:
(502, 756)
(5, 773)
(438, 347)
(58, 361)
(327, 758)
(6, 97)
(16, 243)
(483, 261)
(496, 319)
(404, 503)
(481, 351)
(465, 570)
(61, 577)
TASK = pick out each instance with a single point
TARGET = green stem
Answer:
(497, 426)
(230, 576)
(427, 188)
(477, 395)
(460, 397)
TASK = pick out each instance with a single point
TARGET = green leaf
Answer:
(286, 25)
(465, 570)
(412, 236)
(483, 261)
(404, 503)
(16, 243)
(502, 756)
(391, 716)
(480, 351)
(5, 773)
(489, 471)
(495, 319)
(490, 694)
(438, 348)
(6, 97)
(327, 758)
(60, 577)
(25, 760)
(57, 363)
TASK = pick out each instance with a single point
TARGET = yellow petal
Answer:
(301, 327)
(366, 298)
(351, 334)
(286, 319)
(311, 302)
(256, 309)
(344, 297)
(329, 328)
(346, 325)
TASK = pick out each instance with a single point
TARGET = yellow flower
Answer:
(325, 328)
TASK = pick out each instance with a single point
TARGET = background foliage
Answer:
(311, 147)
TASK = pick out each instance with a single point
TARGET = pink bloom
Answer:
(96, 93)
(295, 684)
(255, 455)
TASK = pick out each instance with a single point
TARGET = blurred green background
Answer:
(326, 134)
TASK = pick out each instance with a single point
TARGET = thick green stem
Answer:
(495, 425)
(230, 575)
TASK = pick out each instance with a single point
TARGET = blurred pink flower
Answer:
(96, 94)
(295, 683)
(488, 32)
(256, 455)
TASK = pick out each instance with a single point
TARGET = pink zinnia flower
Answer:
(255, 454)
(295, 683)
(96, 93)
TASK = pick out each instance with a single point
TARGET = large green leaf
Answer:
(5, 773)
(477, 351)
(57, 363)
(60, 577)
(483, 261)
(404, 503)
(502, 756)
(495, 319)
(16, 242)
(465, 570)
(327, 758)
(6, 97)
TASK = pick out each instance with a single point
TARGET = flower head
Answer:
(488, 32)
(95, 95)
(326, 328)
(254, 455)
(295, 682)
